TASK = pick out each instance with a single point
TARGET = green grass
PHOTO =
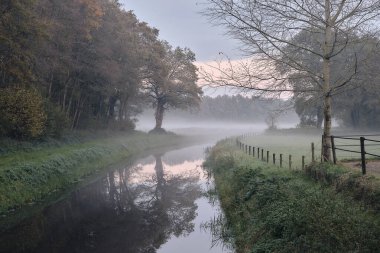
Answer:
(363, 189)
(297, 142)
(269, 209)
(291, 144)
(30, 176)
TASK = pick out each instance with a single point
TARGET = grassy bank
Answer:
(33, 172)
(363, 189)
(269, 209)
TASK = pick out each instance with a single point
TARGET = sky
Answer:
(181, 24)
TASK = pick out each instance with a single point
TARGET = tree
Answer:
(268, 30)
(93, 79)
(351, 100)
(359, 107)
(171, 81)
(20, 32)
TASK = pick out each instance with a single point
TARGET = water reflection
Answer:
(133, 209)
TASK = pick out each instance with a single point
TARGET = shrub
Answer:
(21, 113)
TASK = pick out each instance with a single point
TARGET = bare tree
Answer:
(275, 33)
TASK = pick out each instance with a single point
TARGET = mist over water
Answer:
(215, 128)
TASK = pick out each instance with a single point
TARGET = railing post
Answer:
(258, 153)
(253, 151)
(262, 154)
(267, 156)
(312, 152)
(362, 151)
(290, 162)
(333, 149)
(249, 150)
(280, 160)
(274, 158)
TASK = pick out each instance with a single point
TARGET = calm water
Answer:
(156, 204)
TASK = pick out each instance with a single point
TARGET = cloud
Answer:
(251, 75)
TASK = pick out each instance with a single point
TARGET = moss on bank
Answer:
(269, 209)
(29, 176)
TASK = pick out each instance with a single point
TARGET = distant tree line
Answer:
(357, 108)
(85, 64)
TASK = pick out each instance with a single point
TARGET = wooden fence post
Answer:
(333, 149)
(312, 152)
(258, 153)
(249, 150)
(362, 151)
(303, 162)
(274, 158)
(290, 162)
(280, 160)
(262, 154)
(253, 151)
(267, 156)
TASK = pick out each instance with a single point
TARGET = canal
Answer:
(155, 204)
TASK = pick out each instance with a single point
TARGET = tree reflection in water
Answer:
(115, 214)
(218, 226)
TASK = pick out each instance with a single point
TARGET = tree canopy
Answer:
(87, 60)
(172, 84)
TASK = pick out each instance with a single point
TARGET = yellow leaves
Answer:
(21, 113)
(93, 13)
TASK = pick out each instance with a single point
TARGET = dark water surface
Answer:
(156, 204)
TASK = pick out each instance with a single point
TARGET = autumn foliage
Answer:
(85, 60)
(21, 113)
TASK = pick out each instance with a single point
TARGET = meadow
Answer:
(298, 143)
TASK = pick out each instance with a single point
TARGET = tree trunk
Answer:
(159, 115)
(50, 85)
(111, 108)
(319, 117)
(76, 112)
(355, 115)
(64, 98)
(160, 177)
(65, 92)
(327, 48)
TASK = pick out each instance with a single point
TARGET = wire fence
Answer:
(360, 147)
(281, 159)
(344, 148)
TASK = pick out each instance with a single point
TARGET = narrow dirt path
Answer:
(373, 167)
